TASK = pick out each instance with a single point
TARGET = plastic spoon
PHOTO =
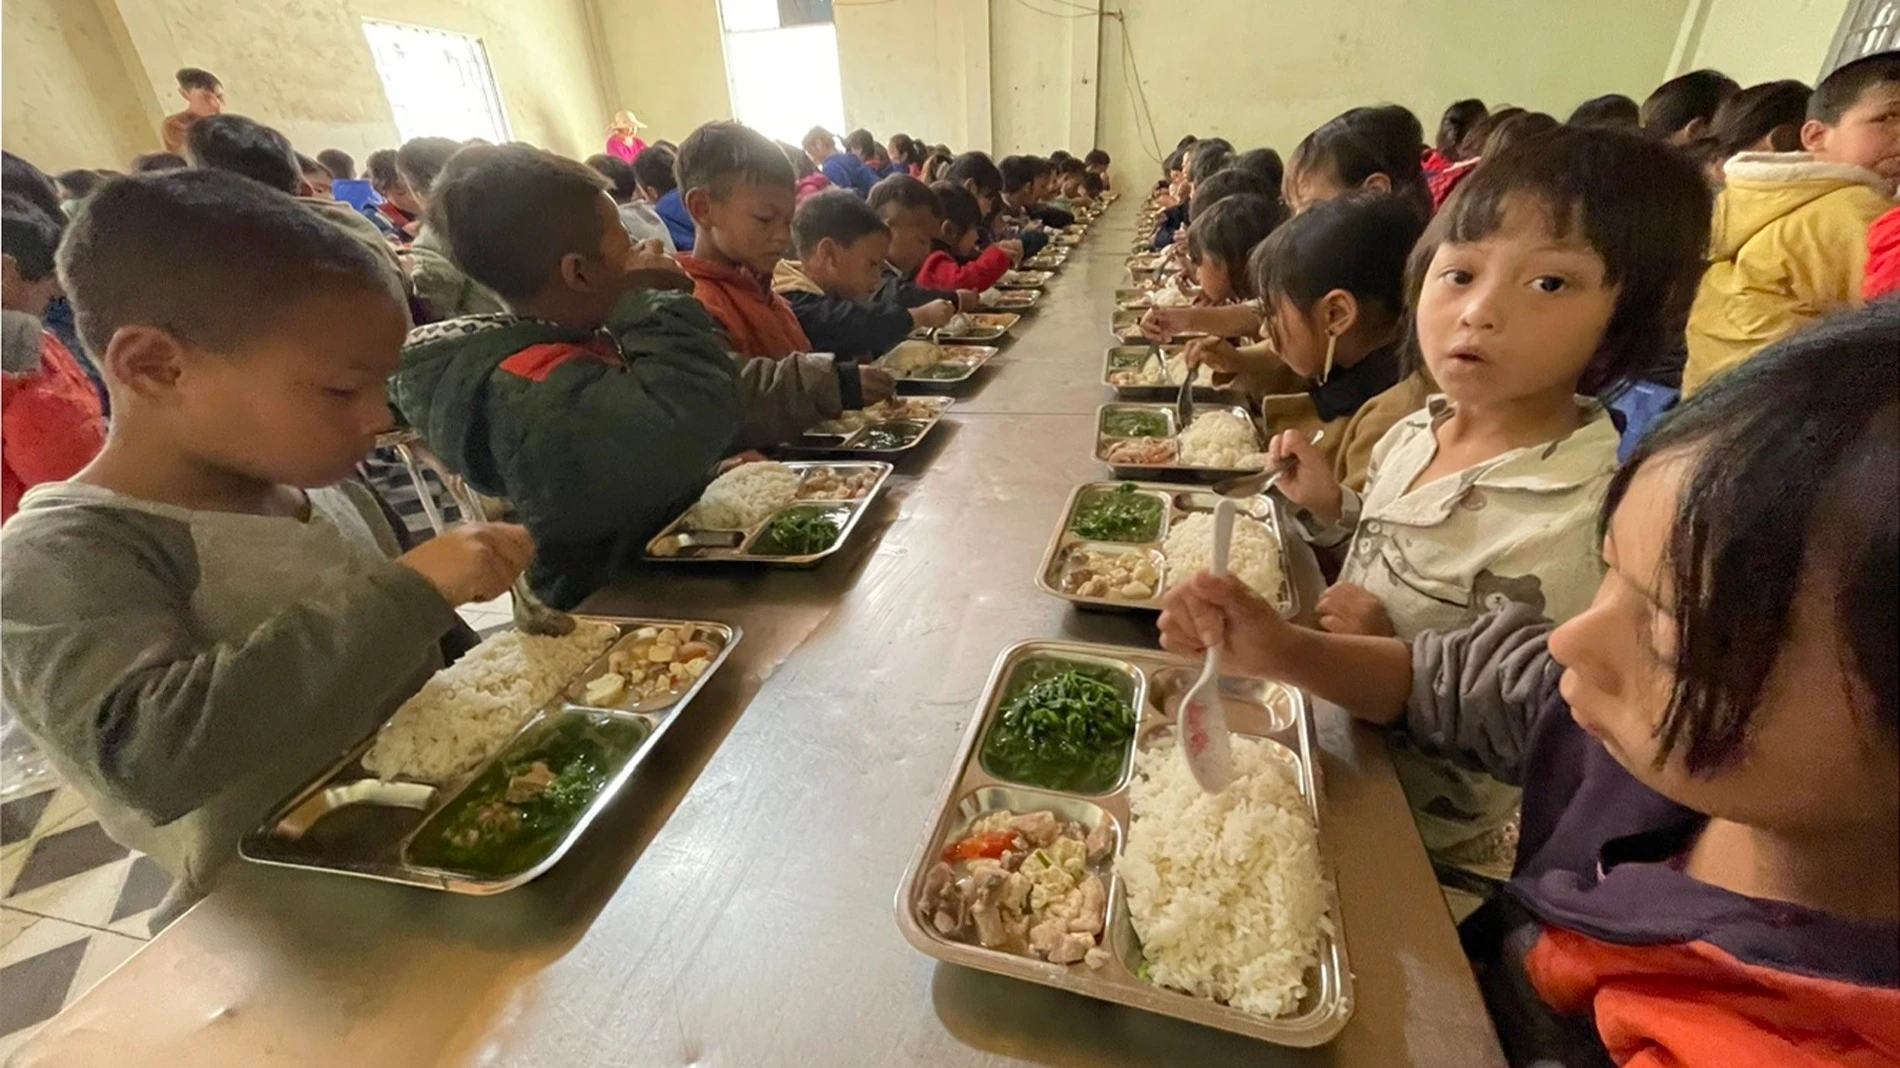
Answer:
(1205, 742)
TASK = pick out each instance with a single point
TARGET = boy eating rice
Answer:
(842, 246)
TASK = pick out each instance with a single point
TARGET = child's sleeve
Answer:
(847, 329)
(980, 273)
(1476, 690)
(106, 663)
(784, 398)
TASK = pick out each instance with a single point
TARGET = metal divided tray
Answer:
(964, 360)
(1125, 325)
(883, 430)
(1066, 547)
(1047, 260)
(681, 542)
(1011, 299)
(1154, 682)
(1166, 415)
(1020, 279)
(352, 822)
(984, 326)
(1122, 364)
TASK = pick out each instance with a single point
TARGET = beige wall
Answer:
(1761, 40)
(69, 100)
(668, 65)
(917, 66)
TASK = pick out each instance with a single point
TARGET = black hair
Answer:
(1217, 143)
(860, 142)
(509, 213)
(1186, 140)
(720, 155)
(1843, 88)
(1685, 98)
(975, 167)
(1472, 147)
(1017, 172)
(197, 78)
(309, 165)
(30, 236)
(381, 170)
(838, 214)
(339, 163)
(1174, 161)
(420, 159)
(814, 137)
(802, 166)
(1358, 243)
(244, 146)
(960, 208)
(903, 192)
(1061, 156)
(907, 149)
(1610, 109)
(1457, 121)
(1209, 159)
(1774, 110)
(1516, 127)
(20, 178)
(621, 182)
(1093, 185)
(934, 165)
(1365, 141)
(1792, 474)
(1264, 162)
(151, 162)
(1231, 228)
(1234, 181)
(653, 168)
(78, 184)
(208, 255)
(1069, 166)
(1096, 158)
(1642, 206)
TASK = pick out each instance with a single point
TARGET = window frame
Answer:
(503, 129)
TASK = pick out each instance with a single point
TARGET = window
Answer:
(1867, 27)
(438, 83)
(782, 66)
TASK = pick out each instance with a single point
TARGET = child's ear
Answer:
(1814, 135)
(1338, 312)
(1378, 183)
(698, 203)
(148, 360)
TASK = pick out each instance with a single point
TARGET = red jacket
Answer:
(1883, 256)
(940, 270)
(811, 185)
(1442, 183)
(758, 322)
(50, 424)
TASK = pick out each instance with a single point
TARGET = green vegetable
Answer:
(943, 370)
(1125, 359)
(1068, 729)
(1122, 514)
(1135, 424)
(482, 832)
(886, 436)
(801, 531)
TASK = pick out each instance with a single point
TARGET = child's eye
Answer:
(1457, 276)
(1549, 283)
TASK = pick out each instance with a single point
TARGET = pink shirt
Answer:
(625, 149)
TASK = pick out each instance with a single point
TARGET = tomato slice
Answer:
(990, 844)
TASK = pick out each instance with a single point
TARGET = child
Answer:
(204, 97)
(1453, 126)
(75, 186)
(316, 178)
(635, 214)
(1098, 162)
(1362, 148)
(399, 206)
(1791, 227)
(811, 181)
(1022, 179)
(907, 155)
(1681, 109)
(1882, 274)
(1230, 320)
(842, 169)
(1557, 271)
(1204, 159)
(1761, 118)
(1709, 872)
(53, 422)
(954, 262)
(1611, 111)
(600, 402)
(203, 618)
(148, 162)
(653, 171)
(1332, 281)
(863, 144)
(340, 164)
(842, 246)
(915, 217)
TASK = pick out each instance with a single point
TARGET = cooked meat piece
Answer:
(1096, 957)
(528, 782)
(1057, 945)
(1100, 841)
(1094, 907)
(985, 904)
(1040, 827)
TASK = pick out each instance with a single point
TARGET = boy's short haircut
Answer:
(420, 159)
(151, 162)
(339, 163)
(720, 155)
(1061, 156)
(381, 168)
(1232, 182)
(197, 78)
(1264, 162)
(960, 208)
(903, 193)
(1456, 124)
(1610, 109)
(309, 165)
(975, 167)
(1092, 184)
(20, 178)
(79, 183)
(816, 139)
(1174, 161)
(209, 256)
(1357, 243)
(1069, 165)
(1641, 205)
(859, 142)
(1685, 98)
(244, 146)
(1096, 158)
(653, 168)
(838, 214)
(30, 237)
(510, 212)
(1843, 88)
(622, 184)
(1231, 228)
(1185, 141)
(1016, 171)
(1207, 162)
(1792, 461)
(1771, 109)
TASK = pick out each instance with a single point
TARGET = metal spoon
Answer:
(1202, 730)
(1261, 481)
(1183, 403)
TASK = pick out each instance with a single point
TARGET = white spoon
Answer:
(1202, 721)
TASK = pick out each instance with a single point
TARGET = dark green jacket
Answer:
(598, 439)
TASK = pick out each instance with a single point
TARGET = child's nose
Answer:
(1480, 310)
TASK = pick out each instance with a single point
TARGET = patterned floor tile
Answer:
(64, 854)
(145, 886)
(88, 897)
(19, 816)
(36, 986)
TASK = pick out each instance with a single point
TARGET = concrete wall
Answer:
(1044, 64)
(668, 65)
(1760, 40)
(922, 67)
(69, 99)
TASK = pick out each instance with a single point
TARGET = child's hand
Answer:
(969, 300)
(1214, 353)
(472, 562)
(876, 384)
(1014, 248)
(1207, 611)
(1348, 609)
(1310, 484)
(1161, 325)
(933, 315)
(750, 456)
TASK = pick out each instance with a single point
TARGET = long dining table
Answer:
(735, 904)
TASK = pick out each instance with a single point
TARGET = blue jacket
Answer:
(672, 211)
(847, 171)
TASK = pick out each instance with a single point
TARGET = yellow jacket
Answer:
(1788, 245)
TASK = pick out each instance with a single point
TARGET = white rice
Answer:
(745, 496)
(909, 357)
(467, 711)
(1253, 557)
(1225, 890)
(1220, 439)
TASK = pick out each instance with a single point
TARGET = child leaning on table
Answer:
(1554, 274)
(209, 613)
(954, 262)
(832, 286)
(1709, 872)
(915, 217)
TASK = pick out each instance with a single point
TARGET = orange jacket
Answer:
(758, 322)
